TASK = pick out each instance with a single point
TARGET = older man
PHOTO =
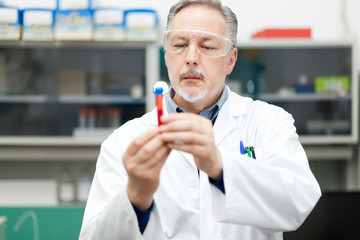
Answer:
(221, 166)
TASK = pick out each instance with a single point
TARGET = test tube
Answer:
(158, 99)
(115, 117)
(92, 118)
(82, 114)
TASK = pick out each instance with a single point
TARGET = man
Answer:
(189, 178)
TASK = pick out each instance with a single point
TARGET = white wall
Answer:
(353, 16)
(352, 26)
(328, 19)
(323, 16)
(352, 19)
(258, 14)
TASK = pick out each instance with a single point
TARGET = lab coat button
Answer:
(192, 182)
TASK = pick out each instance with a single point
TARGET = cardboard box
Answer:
(38, 25)
(108, 25)
(73, 25)
(33, 4)
(141, 25)
(10, 27)
(332, 83)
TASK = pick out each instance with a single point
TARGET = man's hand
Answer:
(192, 133)
(143, 161)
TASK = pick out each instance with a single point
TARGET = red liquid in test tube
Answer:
(159, 105)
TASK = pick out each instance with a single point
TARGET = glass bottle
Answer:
(65, 186)
(83, 185)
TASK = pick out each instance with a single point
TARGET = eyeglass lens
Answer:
(207, 44)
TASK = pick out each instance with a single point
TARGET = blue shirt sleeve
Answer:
(143, 217)
(219, 183)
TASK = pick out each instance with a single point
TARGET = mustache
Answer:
(192, 71)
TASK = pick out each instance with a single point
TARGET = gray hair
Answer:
(230, 17)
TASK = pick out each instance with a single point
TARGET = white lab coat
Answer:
(264, 197)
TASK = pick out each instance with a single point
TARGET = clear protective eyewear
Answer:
(208, 44)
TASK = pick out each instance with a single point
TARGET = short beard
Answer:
(188, 96)
(191, 97)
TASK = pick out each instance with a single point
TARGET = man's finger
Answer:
(150, 148)
(140, 141)
(187, 122)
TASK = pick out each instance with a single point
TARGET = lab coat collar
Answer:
(226, 121)
(236, 104)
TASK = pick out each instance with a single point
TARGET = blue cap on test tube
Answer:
(158, 91)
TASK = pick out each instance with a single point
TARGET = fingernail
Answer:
(163, 118)
(178, 142)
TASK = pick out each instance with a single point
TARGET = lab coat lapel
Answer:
(226, 120)
(189, 158)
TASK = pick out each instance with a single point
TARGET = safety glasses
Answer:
(208, 44)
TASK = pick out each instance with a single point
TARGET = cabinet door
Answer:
(51, 90)
(315, 83)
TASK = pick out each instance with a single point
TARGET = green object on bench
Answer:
(42, 223)
(3, 220)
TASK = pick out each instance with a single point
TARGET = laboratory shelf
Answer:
(119, 99)
(124, 99)
(23, 99)
(293, 43)
(328, 139)
(49, 141)
(73, 44)
(74, 141)
(303, 97)
(49, 149)
(329, 153)
(55, 149)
